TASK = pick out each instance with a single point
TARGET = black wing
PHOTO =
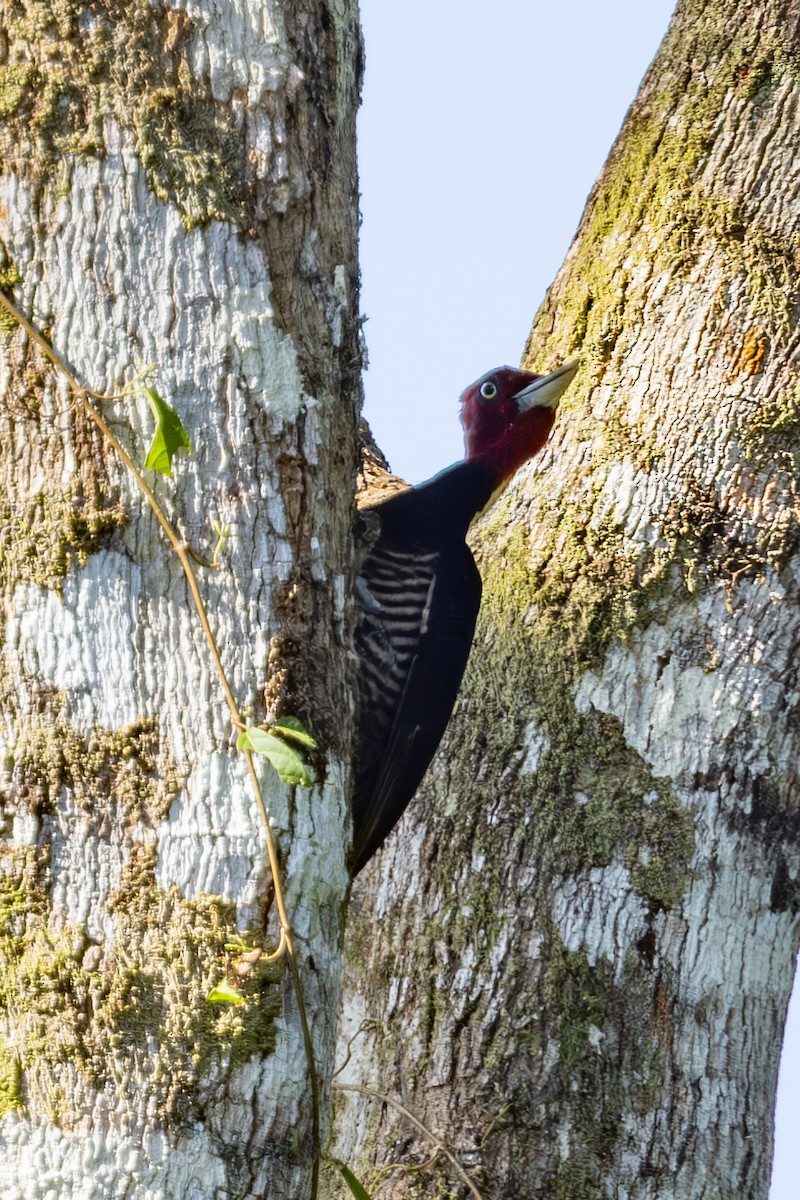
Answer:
(417, 612)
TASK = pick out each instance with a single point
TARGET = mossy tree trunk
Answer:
(178, 187)
(573, 960)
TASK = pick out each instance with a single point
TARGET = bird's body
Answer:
(418, 594)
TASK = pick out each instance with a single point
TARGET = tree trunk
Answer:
(178, 187)
(573, 959)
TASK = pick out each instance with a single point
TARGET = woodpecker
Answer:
(418, 593)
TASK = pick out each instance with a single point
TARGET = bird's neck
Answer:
(445, 506)
(523, 438)
(442, 507)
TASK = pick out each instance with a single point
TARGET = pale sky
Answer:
(482, 131)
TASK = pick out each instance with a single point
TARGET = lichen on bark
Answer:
(592, 899)
(654, 208)
(132, 1000)
(65, 68)
(136, 1005)
(77, 507)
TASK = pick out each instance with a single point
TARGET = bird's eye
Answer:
(488, 390)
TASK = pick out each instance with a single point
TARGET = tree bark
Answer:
(178, 187)
(572, 961)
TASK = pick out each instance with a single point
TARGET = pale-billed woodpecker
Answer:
(418, 593)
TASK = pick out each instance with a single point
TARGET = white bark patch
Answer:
(249, 324)
(358, 1064)
(719, 951)
(104, 1164)
(677, 714)
(81, 642)
(242, 52)
(749, 156)
(630, 498)
(25, 829)
(598, 912)
(212, 841)
(536, 743)
(86, 869)
(654, 702)
(217, 302)
(315, 868)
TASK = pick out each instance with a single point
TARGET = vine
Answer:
(282, 745)
(440, 1147)
(171, 436)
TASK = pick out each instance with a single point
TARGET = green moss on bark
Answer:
(10, 1079)
(136, 1003)
(9, 278)
(545, 619)
(77, 510)
(136, 1006)
(774, 432)
(607, 1066)
(120, 770)
(53, 532)
(176, 952)
(650, 212)
(66, 67)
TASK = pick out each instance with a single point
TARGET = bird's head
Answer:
(507, 415)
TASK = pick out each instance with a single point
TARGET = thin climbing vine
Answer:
(284, 745)
(281, 745)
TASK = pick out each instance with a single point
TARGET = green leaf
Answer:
(294, 731)
(358, 1189)
(225, 993)
(170, 435)
(286, 761)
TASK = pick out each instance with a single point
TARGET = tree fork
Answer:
(598, 923)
